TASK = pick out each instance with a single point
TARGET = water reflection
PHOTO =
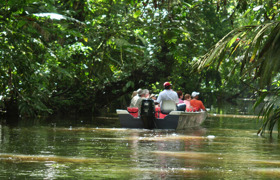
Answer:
(223, 148)
(38, 158)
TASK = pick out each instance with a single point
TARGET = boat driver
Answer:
(167, 94)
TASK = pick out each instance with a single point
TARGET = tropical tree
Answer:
(254, 49)
(82, 56)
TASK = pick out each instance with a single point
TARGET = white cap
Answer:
(195, 94)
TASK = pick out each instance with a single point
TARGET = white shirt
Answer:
(168, 94)
(134, 101)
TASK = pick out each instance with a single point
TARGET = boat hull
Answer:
(174, 120)
(193, 119)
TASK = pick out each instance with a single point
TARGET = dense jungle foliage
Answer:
(86, 55)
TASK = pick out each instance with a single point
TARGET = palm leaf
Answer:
(224, 44)
(261, 48)
(260, 100)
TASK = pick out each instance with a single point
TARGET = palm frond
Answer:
(259, 47)
(224, 44)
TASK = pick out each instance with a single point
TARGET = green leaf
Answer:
(137, 14)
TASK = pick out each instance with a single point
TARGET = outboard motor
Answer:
(147, 113)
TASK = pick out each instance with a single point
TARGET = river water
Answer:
(86, 148)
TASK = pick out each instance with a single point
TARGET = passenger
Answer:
(180, 96)
(195, 103)
(134, 93)
(154, 97)
(187, 101)
(143, 94)
(167, 94)
(134, 98)
(147, 95)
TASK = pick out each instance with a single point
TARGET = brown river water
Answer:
(224, 147)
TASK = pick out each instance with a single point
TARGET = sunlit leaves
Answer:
(137, 14)
(73, 51)
(257, 50)
(79, 47)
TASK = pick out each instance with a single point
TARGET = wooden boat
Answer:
(174, 120)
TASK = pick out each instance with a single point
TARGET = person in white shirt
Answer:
(143, 94)
(167, 94)
(135, 98)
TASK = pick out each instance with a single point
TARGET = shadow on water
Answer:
(237, 107)
(61, 121)
(240, 107)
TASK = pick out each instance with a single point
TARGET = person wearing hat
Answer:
(167, 94)
(135, 97)
(195, 103)
(143, 94)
